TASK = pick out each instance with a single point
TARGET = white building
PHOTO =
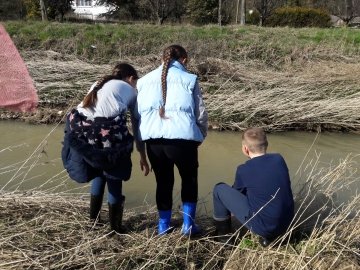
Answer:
(88, 9)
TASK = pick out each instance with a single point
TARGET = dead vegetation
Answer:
(41, 230)
(305, 88)
(320, 96)
(310, 95)
(277, 78)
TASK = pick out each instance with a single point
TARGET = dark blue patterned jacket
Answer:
(98, 147)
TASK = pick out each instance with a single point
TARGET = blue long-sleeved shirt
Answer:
(265, 181)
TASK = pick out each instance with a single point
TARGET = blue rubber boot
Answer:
(189, 227)
(164, 221)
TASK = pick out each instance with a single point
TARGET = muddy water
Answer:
(30, 159)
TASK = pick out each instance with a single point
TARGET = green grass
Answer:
(247, 243)
(211, 40)
(246, 73)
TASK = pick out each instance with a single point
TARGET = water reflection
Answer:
(219, 156)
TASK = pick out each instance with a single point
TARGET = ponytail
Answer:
(91, 98)
(173, 52)
(121, 71)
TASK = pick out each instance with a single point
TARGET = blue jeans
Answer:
(228, 200)
(114, 189)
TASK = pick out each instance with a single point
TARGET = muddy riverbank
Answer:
(277, 78)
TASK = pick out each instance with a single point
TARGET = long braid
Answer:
(173, 52)
(165, 69)
(120, 72)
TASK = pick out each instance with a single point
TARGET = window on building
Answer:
(83, 3)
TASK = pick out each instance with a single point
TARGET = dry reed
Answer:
(306, 95)
(41, 230)
(318, 96)
(252, 85)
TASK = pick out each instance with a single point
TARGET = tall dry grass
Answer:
(45, 230)
(306, 95)
(247, 84)
(321, 95)
(277, 78)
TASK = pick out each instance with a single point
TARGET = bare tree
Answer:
(163, 9)
(237, 11)
(346, 10)
(264, 7)
(219, 13)
(43, 10)
(242, 13)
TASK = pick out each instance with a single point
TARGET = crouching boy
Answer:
(261, 197)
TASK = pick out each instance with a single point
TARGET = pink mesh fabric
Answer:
(17, 91)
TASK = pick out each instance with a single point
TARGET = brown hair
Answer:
(120, 72)
(173, 52)
(255, 139)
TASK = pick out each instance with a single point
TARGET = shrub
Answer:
(253, 17)
(299, 17)
(202, 12)
(11, 10)
(32, 9)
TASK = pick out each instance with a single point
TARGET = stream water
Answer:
(30, 159)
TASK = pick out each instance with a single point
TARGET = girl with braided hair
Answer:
(97, 130)
(172, 123)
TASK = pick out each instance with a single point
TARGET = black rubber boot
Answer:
(95, 207)
(264, 242)
(223, 230)
(116, 215)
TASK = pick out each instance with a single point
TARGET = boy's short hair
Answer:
(255, 139)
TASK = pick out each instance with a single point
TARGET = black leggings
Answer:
(163, 154)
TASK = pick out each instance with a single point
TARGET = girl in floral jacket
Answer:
(98, 145)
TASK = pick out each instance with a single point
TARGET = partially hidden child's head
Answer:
(254, 142)
(122, 71)
(174, 52)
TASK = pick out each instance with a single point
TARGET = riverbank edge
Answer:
(51, 116)
(249, 80)
(52, 230)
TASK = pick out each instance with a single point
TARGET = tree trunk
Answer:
(242, 14)
(43, 11)
(349, 11)
(237, 11)
(262, 12)
(219, 13)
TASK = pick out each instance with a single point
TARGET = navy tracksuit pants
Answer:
(228, 200)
